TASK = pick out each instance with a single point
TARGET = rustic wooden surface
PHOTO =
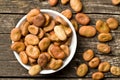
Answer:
(12, 10)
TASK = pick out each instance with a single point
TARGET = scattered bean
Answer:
(104, 37)
(104, 48)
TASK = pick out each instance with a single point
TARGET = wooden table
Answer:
(11, 11)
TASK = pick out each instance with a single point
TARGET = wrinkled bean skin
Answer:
(76, 5)
(44, 44)
(33, 29)
(102, 27)
(104, 67)
(34, 70)
(23, 57)
(15, 34)
(18, 46)
(97, 76)
(31, 14)
(55, 64)
(82, 18)
(24, 28)
(31, 39)
(42, 60)
(115, 70)
(112, 23)
(104, 48)
(82, 70)
(104, 37)
(39, 20)
(57, 52)
(67, 13)
(88, 55)
(75, 24)
(94, 62)
(87, 31)
(32, 51)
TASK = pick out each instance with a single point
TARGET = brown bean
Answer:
(102, 27)
(18, 46)
(82, 70)
(82, 18)
(115, 70)
(32, 61)
(41, 33)
(42, 60)
(104, 37)
(31, 14)
(64, 1)
(52, 2)
(75, 24)
(57, 52)
(50, 27)
(55, 64)
(44, 43)
(94, 62)
(47, 19)
(104, 48)
(31, 39)
(60, 20)
(33, 29)
(32, 51)
(68, 41)
(97, 76)
(15, 34)
(23, 57)
(49, 50)
(67, 30)
(88, 55)
(48, 55)
(24, 28)
(87, 31)
(104, 67)
(112, 23)
(67, 13)
(115, 2)
(76, 5)
(34, 70)
(39, 20)
(66, 49)
(53, 37)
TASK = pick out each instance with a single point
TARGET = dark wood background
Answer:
(11, 11)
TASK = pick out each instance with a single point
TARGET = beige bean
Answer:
(34, 70)
(82, 70)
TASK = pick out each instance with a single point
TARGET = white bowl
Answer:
(72, 46)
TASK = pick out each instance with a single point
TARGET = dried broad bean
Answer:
(104, 48)
(112, 23)
(97, 76)
(76, 5)
(88, 55)
(82, 18)
(94, 62)
(102, 27)
(104, 67)
(82, 70)
(87, 31)
(104, 37)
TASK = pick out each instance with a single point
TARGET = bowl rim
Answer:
(72, 52)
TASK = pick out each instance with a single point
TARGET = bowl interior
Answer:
(72, 46)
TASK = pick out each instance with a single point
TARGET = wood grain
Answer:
(11, 11)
